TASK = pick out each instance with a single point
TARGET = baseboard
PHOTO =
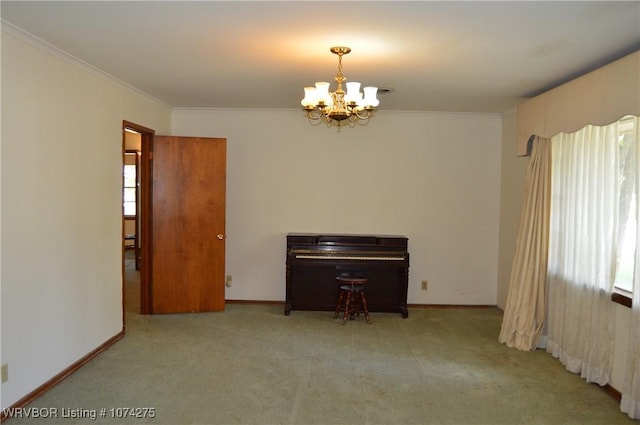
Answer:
(612, 391)
(443, 306)
(254, 302)
(408, 305)
(24, 401)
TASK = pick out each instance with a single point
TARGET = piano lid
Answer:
(346, 240)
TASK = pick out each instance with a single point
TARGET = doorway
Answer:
(136, 207)
(179, 216)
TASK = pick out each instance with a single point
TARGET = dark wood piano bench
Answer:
(352, 292)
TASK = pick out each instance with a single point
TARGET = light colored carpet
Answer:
(253, 365)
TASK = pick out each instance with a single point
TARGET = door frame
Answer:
(145, 217)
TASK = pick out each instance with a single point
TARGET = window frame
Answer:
(622, 297)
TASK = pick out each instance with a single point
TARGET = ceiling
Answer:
(433, 56)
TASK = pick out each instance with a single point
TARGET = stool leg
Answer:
(364, 304)
(346, 308)
(356, 308)
(339, 303)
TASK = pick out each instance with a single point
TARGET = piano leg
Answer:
(287, 304)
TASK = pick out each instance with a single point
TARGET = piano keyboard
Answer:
(348, 257)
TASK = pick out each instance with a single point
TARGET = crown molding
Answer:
(67, 57)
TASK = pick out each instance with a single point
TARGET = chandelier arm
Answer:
(363, 115)
(314, 114)
(325, 114)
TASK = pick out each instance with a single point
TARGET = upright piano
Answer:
(315, 260)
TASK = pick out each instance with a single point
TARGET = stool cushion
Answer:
(352, 280)
(352, 288)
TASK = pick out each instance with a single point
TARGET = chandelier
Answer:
(337, 106)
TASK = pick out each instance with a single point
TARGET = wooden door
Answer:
(188, 224)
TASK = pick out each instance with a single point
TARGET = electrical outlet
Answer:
(228, 281)
(4, 371)
(425, 285)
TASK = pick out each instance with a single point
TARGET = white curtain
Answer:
(630, 402)
(582, 250)
(524, 311)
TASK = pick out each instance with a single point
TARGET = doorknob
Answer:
(220, 236)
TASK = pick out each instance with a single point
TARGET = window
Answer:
(627, 213)
(129, 194)
(593, 231)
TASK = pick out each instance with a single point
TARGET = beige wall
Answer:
(620, 346)
(513, 171)
(434, 177)
(61, 174)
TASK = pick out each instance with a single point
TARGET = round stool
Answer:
(355, 300)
